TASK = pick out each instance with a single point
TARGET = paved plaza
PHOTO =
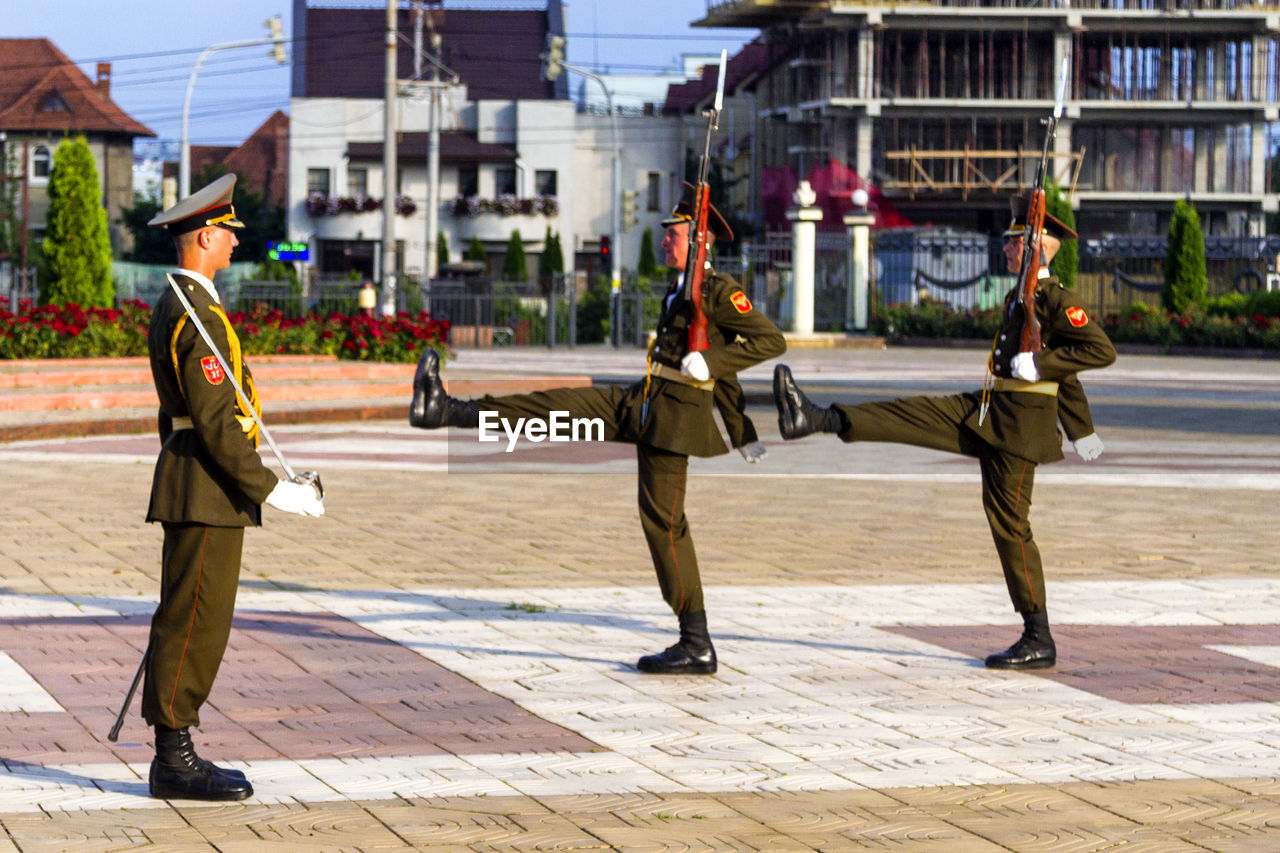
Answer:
(444, 661)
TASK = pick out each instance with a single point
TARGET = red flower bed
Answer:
(69, 331)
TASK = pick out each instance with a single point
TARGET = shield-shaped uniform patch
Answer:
(212, 370)
(1077, 316)
(741, 302)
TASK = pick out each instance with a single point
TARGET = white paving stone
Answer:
(800, 704)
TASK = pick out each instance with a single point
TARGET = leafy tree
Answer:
(442, 250)
(1064, 264)
(475, 251)
(514, 267)
(647, 265)
(76, 244)
(1186, 282)
(150, 245)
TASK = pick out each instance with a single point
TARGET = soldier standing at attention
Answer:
(668, 416)
(208, 485)
(1028, 394)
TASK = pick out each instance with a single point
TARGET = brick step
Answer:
(130, 374)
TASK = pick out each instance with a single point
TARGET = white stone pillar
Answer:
(859, 224)
(804, 218)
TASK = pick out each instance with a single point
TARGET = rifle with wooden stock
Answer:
(696, 263)
(1029, 275)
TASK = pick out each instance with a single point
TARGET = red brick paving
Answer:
(295, 685)
(1139, 665)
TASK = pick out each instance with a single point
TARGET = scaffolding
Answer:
(994, 171)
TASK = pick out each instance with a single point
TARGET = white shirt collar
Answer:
(204, 282)
(1044, 273)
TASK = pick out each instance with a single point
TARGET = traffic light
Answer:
(276, 27)
(553, 57)
(629, 209)
(605, 247)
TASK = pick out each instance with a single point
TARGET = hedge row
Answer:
(1227, 323)
(69, 331)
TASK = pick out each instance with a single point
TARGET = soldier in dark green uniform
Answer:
(1027, 395)
(668, 416)
(208, 486)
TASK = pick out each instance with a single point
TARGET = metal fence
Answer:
(766, 272)
(1116, 272)
(17, 284)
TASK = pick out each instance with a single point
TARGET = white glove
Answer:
(1024, 367)
(695, 365)
(298, 498)
(1089, 447)
(753, 452)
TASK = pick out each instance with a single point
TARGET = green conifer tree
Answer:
(514, 267)
(557, 254)
(545, 270)
(442, 250)
(1064, 264)
(475, 250)
(76, 246)
(1186, 281)
(647, 265)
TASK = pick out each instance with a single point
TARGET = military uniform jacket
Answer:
(210, 474)
(681, 417)
(1025, 423)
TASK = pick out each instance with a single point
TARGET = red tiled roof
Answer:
(261, 160)
(33, 73)
(746, 63)
(455, 147)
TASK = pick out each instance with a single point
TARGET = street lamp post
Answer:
(184, 155)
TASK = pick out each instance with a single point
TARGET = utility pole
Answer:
(433, 164)
(436, 88)
(389, 167)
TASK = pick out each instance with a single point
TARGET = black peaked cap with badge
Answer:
(1054, 227)
(211, 205)
(683, 212)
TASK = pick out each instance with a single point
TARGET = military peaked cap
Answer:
(1018, 206)
(208, 206)
(683, 212)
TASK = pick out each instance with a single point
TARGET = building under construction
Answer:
(938, 104)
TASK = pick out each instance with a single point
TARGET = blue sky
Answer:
(153, 45)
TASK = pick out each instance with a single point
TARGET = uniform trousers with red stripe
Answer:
(1007, 479)
(662, 479)
(200, 571)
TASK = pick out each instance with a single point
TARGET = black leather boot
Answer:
(1034, 649)
(177, 773)
(431, 407)
(797, 417)
(693, 655)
